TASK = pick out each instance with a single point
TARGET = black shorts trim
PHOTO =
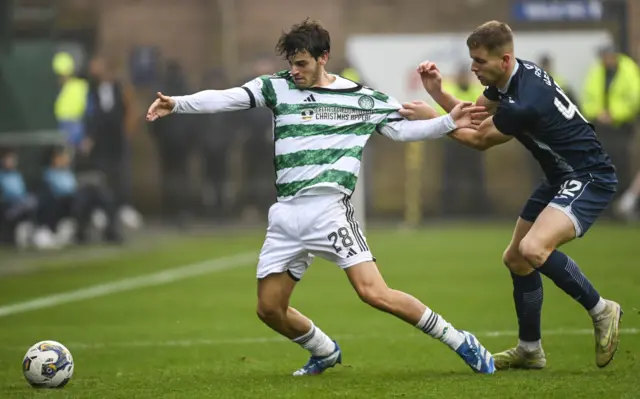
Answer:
(294, 278)
(354, 225)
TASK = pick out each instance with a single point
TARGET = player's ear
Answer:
(506, 59)
(322, 60)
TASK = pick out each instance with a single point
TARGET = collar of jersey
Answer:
(513, 73)
(357, 87)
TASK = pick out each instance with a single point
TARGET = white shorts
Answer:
(308, 226)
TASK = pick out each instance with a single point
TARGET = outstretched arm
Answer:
(213, 101)
(481, 133)
(401, 129)
(209, 101)
(485, 137)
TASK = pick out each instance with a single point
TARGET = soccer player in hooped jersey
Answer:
(580, 181)
(322, 122)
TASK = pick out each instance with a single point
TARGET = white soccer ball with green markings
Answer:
(48, 364)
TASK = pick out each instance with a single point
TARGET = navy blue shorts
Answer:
(582, 199)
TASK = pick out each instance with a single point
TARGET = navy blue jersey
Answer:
(535, 111)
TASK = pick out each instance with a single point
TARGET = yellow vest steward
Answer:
(624, 92)
(72, 100)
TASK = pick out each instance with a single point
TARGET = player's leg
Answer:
(274, 292)
(336, 237)
(527, 290)
(373, 290)
(569, 215)
(282, 263)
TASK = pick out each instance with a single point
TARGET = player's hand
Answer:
(467, 114)
(430, 76)
(162, 106)
(417, 110)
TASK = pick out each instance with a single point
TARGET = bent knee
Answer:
(375, 296)
(515, 262)
(269, 311)
(534, 251)
(511, 257)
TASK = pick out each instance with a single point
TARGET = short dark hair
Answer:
(307, 36)
(492, 35)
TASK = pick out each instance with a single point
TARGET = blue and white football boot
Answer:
(317, 365)
(476, 355)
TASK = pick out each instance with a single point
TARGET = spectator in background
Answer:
(216, 134)
(61, 197)
(111, 118)
(175, 139)
(611, 101)
(464, 189)
(17, 206)
(71, 102)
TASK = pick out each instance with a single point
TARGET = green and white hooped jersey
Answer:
(319, 133)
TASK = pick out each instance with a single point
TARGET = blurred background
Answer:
(80, 164)
(135, 244)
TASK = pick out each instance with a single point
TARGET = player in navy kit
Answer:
(524, 103)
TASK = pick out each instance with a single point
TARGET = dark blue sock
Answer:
(527, 295)
(566, 274)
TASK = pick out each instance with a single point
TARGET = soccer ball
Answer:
(48, 364)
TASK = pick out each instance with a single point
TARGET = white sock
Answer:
(437, 327)
(316, 342)
(530, 346)
(600, 306)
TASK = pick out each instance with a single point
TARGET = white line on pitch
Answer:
(275, 339)
(132, 283)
